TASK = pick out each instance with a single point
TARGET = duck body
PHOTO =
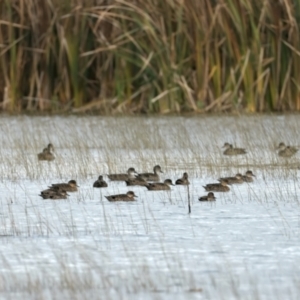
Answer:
(136, 181)
(100, 183)
(46, 154)
(231, 151)
(184, 180)
(248, 177)
(217, 187)
(209, 197)
(160, 186)
(286, 151)
(151, 176)
(53, 194)
(129, 196)
(123, 176)
(237, 179)
(71, 186)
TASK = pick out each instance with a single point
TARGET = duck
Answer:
(238, 178)
(54, 194)
(160, 186)
(129, 196)
(42, 155)
(230, 150)
(184, 180)
(136, 181)
(46, 154)
(286, 151)
(248, 177)
(100, 183)
(122, 177)
(71, 186)
(217, 187)
(151, 176)
(209, 197)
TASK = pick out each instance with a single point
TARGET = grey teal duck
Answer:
(122, 177)
(160, 186)
(122, 197)
(238, 178)
(100, 183)
(184, 180)
(217, 187)
(209, 197)
(71, 186)
(54, 194)
(46, 154)
(248, 177)
(151, 176)
(230, 150)
(136, 181)
(286, 151)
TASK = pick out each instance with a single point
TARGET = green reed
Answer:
(150, 56)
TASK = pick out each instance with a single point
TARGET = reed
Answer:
(150, 56)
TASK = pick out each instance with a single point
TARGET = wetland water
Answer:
(243, 246)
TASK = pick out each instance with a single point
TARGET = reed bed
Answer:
(118, 56)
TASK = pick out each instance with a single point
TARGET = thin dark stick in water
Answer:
(189, 199)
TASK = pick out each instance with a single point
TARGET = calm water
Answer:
(243, 246)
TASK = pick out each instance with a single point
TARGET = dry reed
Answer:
(117, 56)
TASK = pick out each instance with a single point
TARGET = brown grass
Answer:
(149, 56)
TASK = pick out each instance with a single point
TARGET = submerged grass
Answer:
(149, 56)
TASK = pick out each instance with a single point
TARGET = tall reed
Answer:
(150, 56)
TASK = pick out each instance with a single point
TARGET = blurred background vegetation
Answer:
(149, 56)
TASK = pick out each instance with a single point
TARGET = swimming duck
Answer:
(160, 186)
(122, 177)
(238, 178)
(53, 194)
(100, 183)
(248, 177)
(122, 197)
(136, 181)
(42, 155)
(71, 186)
(217, 187)
(210, 197)
(286, 151)
(184, 180)
(46, 153)
(151, 176)
(230, 150)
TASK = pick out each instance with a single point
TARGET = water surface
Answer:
(243, 246)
